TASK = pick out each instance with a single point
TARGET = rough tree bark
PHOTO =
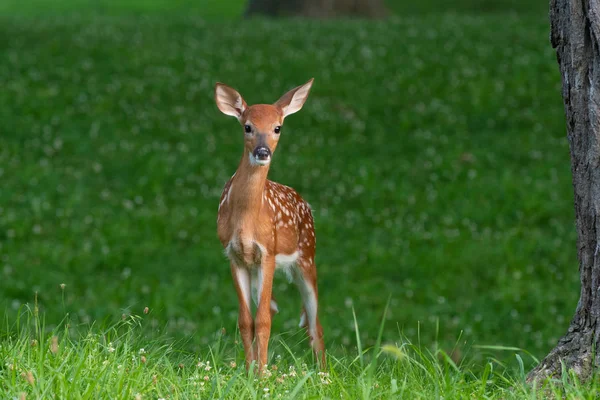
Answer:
(575, 31)
(317, 8)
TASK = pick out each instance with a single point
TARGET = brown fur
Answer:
(259, 219)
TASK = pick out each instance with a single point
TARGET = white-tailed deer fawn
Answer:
(264, 225)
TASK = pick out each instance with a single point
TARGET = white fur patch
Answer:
(226, 198)
(256, 284)
(229, 192)
(302, 323)
(256, 162)
(229, 248)
(287, 258)
(286, 262)
(274, 306)
(309, 299)
(243, 280)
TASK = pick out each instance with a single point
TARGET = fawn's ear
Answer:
(293, 100)
(229, 101)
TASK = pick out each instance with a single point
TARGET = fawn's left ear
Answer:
(229, 101)
(293, 100)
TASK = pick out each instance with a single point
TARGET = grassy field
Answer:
(118, 362)
(432, 149)
(218, 9)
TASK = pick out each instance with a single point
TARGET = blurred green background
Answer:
(232, 9)
(432, 149)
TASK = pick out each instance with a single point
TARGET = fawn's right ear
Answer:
(229, 101)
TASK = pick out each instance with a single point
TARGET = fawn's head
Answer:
(261, 122)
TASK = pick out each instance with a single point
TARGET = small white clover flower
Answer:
(324, 376)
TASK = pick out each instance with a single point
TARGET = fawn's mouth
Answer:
(260, 156)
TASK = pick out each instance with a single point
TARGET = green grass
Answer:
(431, 148)
(210, 9)
(122, 362)
(406, 8)
(233, 9)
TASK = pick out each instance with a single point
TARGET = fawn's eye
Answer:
(277, 129)
(247, 128)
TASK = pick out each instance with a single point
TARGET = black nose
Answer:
(262, 153)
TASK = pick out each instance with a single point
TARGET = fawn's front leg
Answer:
(241, 279)
(262, 322)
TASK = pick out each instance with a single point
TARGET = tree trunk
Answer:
(575, 31)
(317, 8)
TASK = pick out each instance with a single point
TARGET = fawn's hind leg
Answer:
(305, 278)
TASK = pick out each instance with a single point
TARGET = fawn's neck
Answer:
(247, 188)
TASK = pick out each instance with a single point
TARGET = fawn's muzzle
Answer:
(262, 153)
